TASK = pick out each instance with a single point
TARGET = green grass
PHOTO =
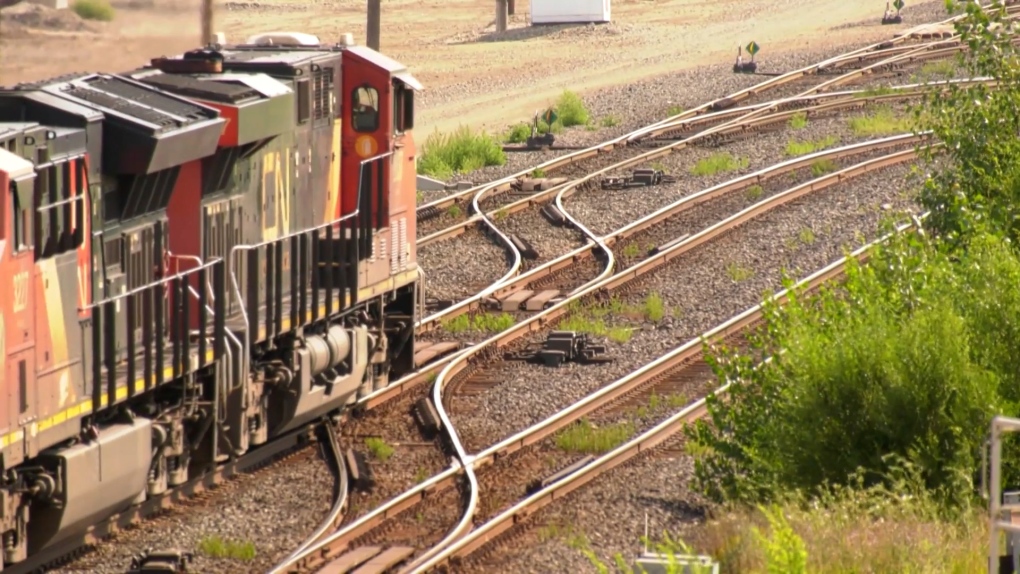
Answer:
(421, 476)
(585, 438)
(94, 10)
(571, 110)
(798, 121)
(518, 134)
(594, 321)
(462, 151)
(795, 148)
(653, 307)
(454, 211)
(217, 547)
(480, 322)
(938, 70)
(659, 166)
(806, 236)
(419, 197)
(610, 121)
(631, 250)
(379, 448)
(738, 273)
(823, 166)
(880, 123)
(718, 163)
(674, 110)
(755, 192)
(850, 536)
(538, 172)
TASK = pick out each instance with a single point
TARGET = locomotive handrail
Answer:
(316, 229)
(181, 275)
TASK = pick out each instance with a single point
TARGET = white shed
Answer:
(569, 11)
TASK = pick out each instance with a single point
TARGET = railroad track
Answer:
(293, 443)
(501, 211)
(503, 530)
(369, 529)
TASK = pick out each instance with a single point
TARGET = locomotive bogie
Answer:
(195, 257)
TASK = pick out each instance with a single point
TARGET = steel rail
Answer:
(339, 541)
(877, 48)
(691, 350)
(537, 322)
(341, 488)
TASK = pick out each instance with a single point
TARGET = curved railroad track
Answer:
(713, 118)
(377, 526)
(502, 531)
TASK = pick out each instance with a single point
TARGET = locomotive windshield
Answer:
(365, 109)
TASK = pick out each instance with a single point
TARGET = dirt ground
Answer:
(472, 75)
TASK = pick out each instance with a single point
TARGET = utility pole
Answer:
(207, 13)
(372, 34)
(501, 15)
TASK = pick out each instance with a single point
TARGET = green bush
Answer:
(518, 133)
(462, 151)
(905, 361)
(93, 10)
(570, 107)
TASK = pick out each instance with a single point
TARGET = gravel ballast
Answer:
(699, 290)
(273, 510)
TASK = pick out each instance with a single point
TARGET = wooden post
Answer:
(511, 6)
(501, 10)
(207, 14)
(372, 34)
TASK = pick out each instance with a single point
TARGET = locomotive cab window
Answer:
(365, 109)
(403, 107)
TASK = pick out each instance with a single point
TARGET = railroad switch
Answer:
(562, 346)
(161, 562)
(640, 178)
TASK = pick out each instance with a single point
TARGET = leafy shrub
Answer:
(907, 359)
(571, 110)
(462, 151)
(93, 10)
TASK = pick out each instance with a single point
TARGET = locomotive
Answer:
(196, 256)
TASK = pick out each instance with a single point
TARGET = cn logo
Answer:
(366, 146)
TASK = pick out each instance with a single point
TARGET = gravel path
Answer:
(697, 291)
(273, 510)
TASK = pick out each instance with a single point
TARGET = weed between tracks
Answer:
(596, 321)
(882, 122)
(483, 322)
(94, 10)
(718, 163)
(795, 148)
(217, 547)
(379, 448)
(585, 438)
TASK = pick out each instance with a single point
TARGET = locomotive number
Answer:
(20, 291)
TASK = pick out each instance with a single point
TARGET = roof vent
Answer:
(346, 39)
(283, 39)
(193, 62)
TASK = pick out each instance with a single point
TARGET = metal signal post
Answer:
(207, 14)
(374, 17)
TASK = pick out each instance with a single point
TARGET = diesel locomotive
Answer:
(196, 256)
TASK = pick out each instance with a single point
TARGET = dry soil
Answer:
(472, 75)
